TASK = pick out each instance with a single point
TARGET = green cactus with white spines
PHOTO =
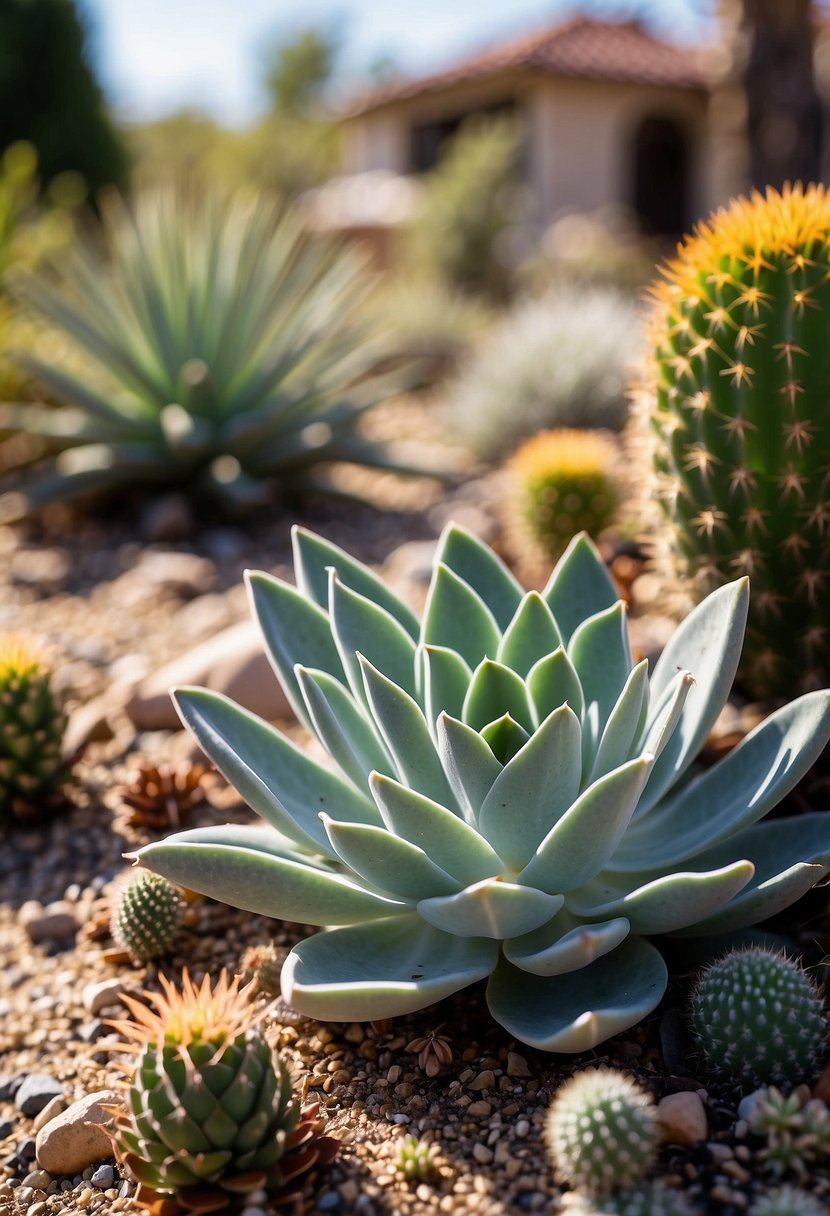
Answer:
(602, 1131)
(514, 797)
(146, 915)
(788, 1201)
(32, 724)
(733, 422)
(758, 1019)
(648, 1199)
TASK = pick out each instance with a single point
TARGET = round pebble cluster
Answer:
(758, 1019)
(601, 1131)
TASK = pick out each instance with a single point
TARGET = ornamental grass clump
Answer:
(758, 1019)
(226, 352)
(733, 422)
(514, 799)
(211, 1114)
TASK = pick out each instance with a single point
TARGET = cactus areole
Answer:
(735, 421)
(513, 797)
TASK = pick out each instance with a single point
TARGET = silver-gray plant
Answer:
(513, 799)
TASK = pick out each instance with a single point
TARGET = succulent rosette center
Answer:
(510, 795)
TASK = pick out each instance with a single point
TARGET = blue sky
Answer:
(154, 56)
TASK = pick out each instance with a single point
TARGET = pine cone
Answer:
(161, 796)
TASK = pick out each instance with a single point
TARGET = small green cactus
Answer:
(561, 482)
(146, 915)
(796, 1129)
(211, 1112)
(758, 1019)
(32, 723)
(733, 426)
(263, 963)
(649, 1199)
(416, 1159)
(602, 1131)
(788, 1201)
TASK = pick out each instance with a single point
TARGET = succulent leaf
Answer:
(499, 843)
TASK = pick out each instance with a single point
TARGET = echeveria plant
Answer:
(512, 796)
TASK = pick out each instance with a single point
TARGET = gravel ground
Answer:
(88, 590)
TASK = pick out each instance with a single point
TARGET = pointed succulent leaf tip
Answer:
(495, 690)
(708, 644)
(473, 831)
(361, 627)
(457, 618)
(314, 556)
(531, 635)
(275, 777)
(579, 587)
(342, 727)
(295, 630)
(471, 560)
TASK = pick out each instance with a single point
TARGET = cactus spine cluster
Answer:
(758, 1019)
(146, 915)
(734, 419)
(562, 481)
(649, 1199)
(32, 724)
(602, 1131)
(211, 1114)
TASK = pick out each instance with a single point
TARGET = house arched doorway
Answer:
(661, 176)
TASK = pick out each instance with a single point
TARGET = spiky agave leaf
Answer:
(513, 797)
(225, 348)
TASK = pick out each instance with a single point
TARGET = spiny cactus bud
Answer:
(648, 1199)
(734, 427)
(263, 963)
(601, 1131)
(212, 1115)
(146, 915)
(758, 1019)
(561, 482)
(32, 723)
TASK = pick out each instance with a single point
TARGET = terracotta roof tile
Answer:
(595, 50)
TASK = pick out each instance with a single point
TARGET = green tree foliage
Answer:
(48, 93)
(471, 200)
(298, 69)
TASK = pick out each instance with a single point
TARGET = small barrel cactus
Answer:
(561, 482)
(758, 1019)
(211, 1114)
(734, 426)
(602, 1131)
(146, 914)
(263, 963)
(648, 1199)
(32, 724)
(788, 1201)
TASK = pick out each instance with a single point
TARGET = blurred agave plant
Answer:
(517, 799)
(226, 349)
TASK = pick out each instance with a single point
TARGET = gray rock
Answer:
(78, 1137)
(103, 1177)
(36, 1091)
(100, 994)
(232, 662)
(53, 923)
(10, 1083)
